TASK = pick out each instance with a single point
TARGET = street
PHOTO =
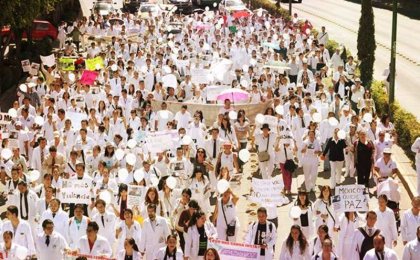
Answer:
(341, 19)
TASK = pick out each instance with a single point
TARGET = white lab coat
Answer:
(389, 254)
(319, 256)
(412, 250)
(61, 221)
(136, 255)
(75, 232)
(23, 235)
(11, 254)
(346, 236)
(160, 254)
(100, 248)
(55, 250)
(134, 232)
(409, 224)
(296, 254)
(153, 238)
(358, 239)
(107, 229)
(36, 158)
(387, 224)
(31, 210)
(192, 239)
(270, 238)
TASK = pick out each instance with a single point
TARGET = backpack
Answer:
(367, 243)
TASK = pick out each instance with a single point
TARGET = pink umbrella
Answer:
(233, 94)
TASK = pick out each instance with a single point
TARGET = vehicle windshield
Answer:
(148, 8)
(234, 3)
(103, 6)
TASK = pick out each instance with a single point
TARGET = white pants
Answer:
(310, 171)
(350, 169)
(336, 168)
(418, 179)
(267, 167)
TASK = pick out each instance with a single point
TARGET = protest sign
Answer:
(48, 61)
(76, 119)
(5, 119)
(235, 251)
(95, 63)
(267, 191)
(350, 198)
(88, 77)
(200, 76)
(75, 191)
(34, 69)
(169, 81)
(66, 64)
(159, 143)
(135, 196)
(271, 121)
(26, 65)
(213, 91)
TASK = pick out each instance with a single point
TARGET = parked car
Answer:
(104, 7)
(183, 6)
(230, 6)
(144, 10)
(132, 6)
(40, 30)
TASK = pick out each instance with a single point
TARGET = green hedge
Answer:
(406, 124)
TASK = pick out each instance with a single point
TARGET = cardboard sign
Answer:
(26, 65)
(159, 143)
(66, 64)
(95, 63)
(200, 76)
(75, 191)
(169, 81)
(34, 69)
(350, 198)
(267, 191)
(135, 196)
(48, 60)
(76, 119)
(5, 118)
(213, 91)
(88, 77)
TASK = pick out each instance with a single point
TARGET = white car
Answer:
(145, 9)
(230, 6)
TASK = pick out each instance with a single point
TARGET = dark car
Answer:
(132, 6)
(183, 6)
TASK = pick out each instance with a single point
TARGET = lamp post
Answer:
(290, 7)
(393, 52)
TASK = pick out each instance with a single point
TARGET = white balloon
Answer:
(233, 115)
(267, 24)
(252, 29)
(164, 114)
(295, 212)
(12, 112)
(122, 174)
(333, 121)
(39, 120)
(260, 119)
(171, 182)
(260, 13)
(245, 68)
(367, 117)
(215, 5)
(223, 186)
(34, 175)
(106, 196)
(119, 154)
(275, 37)
(114, 67)
(6, 154)
(221, 21)
(308, 31)
(154, 180)
(21, 252)
(131, 159)
(341, 134)
(244, 155)
(317, 117)
(187, 140)
(244, 83)
(138, 175)
(207, 8)
(72, 77)
(218, 26)
(279, 109)
(131, 143)
(239, 34)
(23, 88)
(253, 62)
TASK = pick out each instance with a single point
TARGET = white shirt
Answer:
(388, 253)
(412, 250)
(154, 235)
(22, 236)
(54, 250)
(409, 224)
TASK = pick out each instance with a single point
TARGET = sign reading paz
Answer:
(76, 191)
(350, 198)
(268, 191)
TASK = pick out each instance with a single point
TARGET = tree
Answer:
(366, 44)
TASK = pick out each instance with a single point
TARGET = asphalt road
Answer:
(341, 19)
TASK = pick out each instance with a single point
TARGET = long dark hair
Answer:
(321, 196)
(215, 253)
(132, 242)
(307, 202)
(193, 221)
(303, 243)
(228, 128)
(147, 199)
(121, 188)
(167, 254)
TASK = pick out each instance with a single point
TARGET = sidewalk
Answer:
(407, 173)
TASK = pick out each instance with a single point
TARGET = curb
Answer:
(406, 172)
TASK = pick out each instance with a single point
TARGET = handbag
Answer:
(264, 156)
(289, 165)
(230, 231)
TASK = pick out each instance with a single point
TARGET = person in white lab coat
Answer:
(170, 251)
(363, 237)
(50, 244)
(20, 228)
(154, 233)
(415, 148)
(93, 244)
(8, 248)
(58, 216)
(347, 223)
(76, 226)
(128, 229)
(295, 247)
(327, 251)
(380, 251)
(130, 250)
(410, 220)
(264, 233)
(199, 232)
(412, 248)
(386, 222)
(106, 221)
